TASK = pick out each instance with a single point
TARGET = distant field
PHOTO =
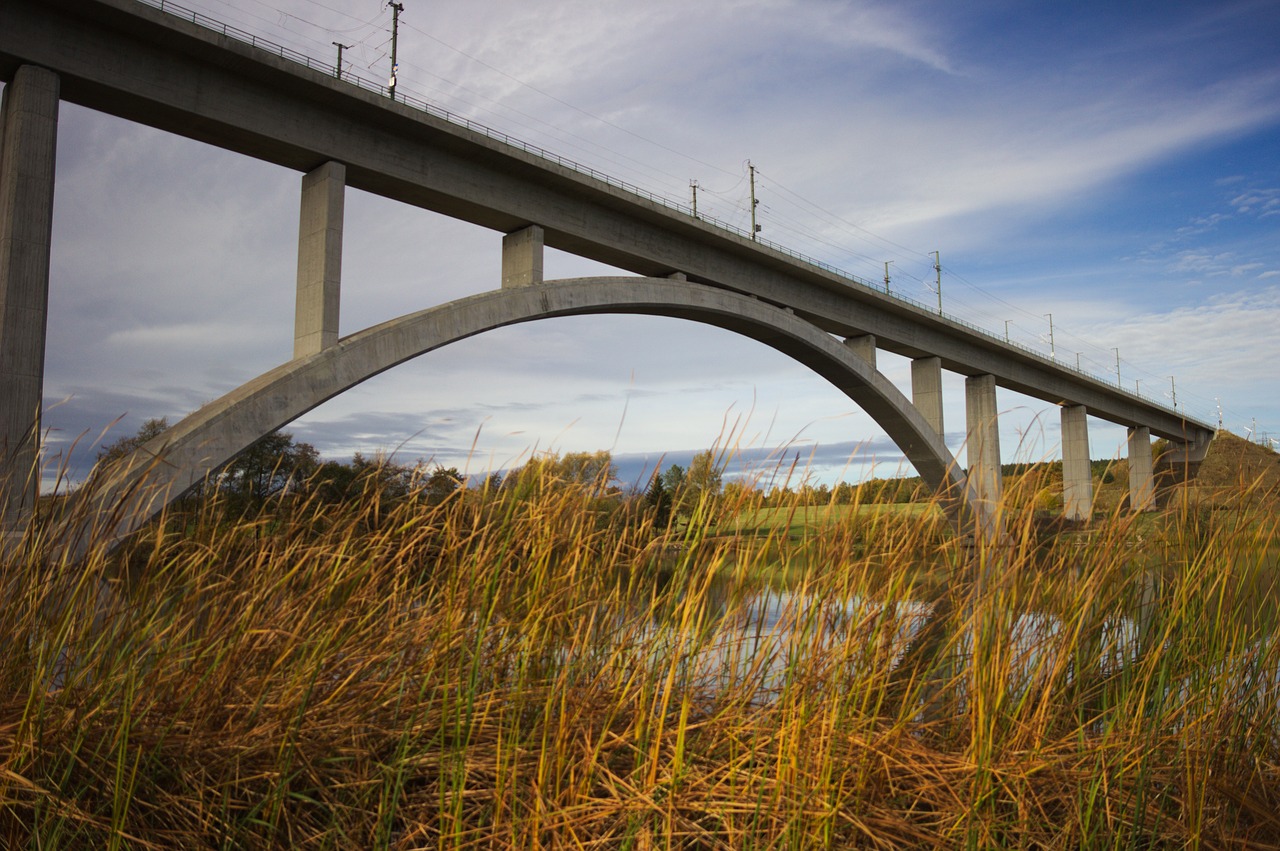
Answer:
(798, 519)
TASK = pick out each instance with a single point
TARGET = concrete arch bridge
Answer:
(184, 74)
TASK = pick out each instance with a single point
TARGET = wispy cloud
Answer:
(1221, 348)
(1259, 202)
(928, 125)
(1204, 224)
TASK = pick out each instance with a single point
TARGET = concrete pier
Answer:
(141, 64)
(983, 441)
(522, 257)
(863, 346)
(219, 430)
(1077, 473)
(28, 146)
(1142, 484)
(319, 259)
(926, 390)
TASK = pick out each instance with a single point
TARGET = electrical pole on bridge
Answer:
(937, 267)
(337, 69)
(396, 9)
(755, 228)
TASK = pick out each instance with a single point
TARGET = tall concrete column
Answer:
(926, 390)
(1142, 484)
(1077, 472)
(864, 347)
(982, 446)
(28, 145)
(522, 257)
(315, 324)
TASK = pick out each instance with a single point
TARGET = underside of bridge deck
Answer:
(141, 64)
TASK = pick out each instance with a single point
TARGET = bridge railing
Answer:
(245, 37)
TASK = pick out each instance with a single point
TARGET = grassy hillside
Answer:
(1234, 467)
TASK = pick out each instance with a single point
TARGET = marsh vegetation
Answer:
(534, 667)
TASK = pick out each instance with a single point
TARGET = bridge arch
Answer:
(133, 490)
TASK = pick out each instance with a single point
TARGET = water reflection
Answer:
(728, 639)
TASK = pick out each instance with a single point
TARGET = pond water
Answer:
(754, 639)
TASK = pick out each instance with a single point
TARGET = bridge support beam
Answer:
(983, 444)
(1077, 472)
(926, 390)
(133, 489)
(1181, 461)
(1142, 484)
(28, 145)
(315, 325)
(522, 257)
(864, 347)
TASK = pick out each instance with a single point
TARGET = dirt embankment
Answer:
(1233, 468)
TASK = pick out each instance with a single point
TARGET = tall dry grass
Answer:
(531, 670)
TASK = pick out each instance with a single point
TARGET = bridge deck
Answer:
(136, 62)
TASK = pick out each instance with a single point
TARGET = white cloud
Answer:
(1226, 347)
(1203, 224)
(1261, 202)
(187, 335)
(174, 263)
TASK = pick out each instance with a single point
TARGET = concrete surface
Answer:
(926, 390)
(522, 253)
(140, 64)
(28, 148)
(161, 470)
(1077, 472)
(982, 443)
(1142, 484)
(864, 346)
(319, 259)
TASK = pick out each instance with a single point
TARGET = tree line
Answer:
(278, 465)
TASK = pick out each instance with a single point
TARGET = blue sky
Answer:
(1114, 165)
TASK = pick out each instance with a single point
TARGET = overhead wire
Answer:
(557, 131)
(568, 105)
(905, 259)
(801, 200)
(562, 136)
(236, 16)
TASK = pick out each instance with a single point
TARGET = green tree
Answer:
(658, 499)
(673, 479)
(273, 465)
(379, 474)
(741, 496)
(591, 470)
(492, 484)
(124, 445)
(779, 495)
(442, 483)
(703, 481)
(336, 482)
